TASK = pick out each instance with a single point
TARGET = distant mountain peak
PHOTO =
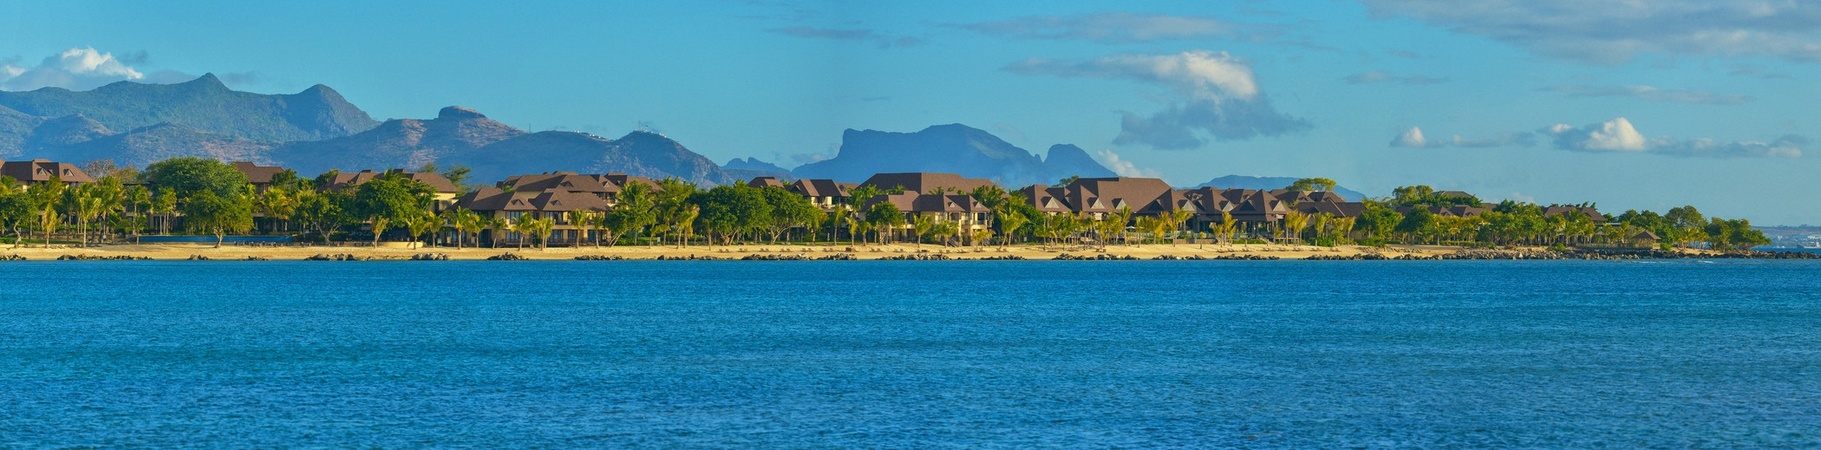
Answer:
(458, 113)
(950, 148)
(206, 81)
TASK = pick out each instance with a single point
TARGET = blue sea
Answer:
(878, 354)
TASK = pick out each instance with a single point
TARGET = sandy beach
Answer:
(862, 252)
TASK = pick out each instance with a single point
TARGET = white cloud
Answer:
(1113, 28)
(1618, 135)
(1412, 138)
(1123, 167)
(1652, 93)
(74, 69)
(1612, 135)
(1219, 96)
(1616, 31)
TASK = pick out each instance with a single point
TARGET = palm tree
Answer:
(424, 224)
(1177, 218)
(45, 197)
(1227, 227)
(467, 222)
(922, 225)
(1294, 223)
(586, 221)
(497, 225)
(524, 226)
(1009, 223)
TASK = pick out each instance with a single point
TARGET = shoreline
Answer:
(186, 251)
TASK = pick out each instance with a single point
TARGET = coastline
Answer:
(185, 251)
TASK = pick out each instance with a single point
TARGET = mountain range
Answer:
(317, 130)
(953, 148)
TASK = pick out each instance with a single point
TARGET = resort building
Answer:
(258, 176)
(444, 191)
(553, 203)
(596, 185)
(27, 173)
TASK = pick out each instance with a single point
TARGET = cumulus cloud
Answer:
(1612, 135)
(1123, 167)
(1614, 32)
(1651, 93)
(1220, 97)
(1413, 138)
(1374, 76)
(1618, 135)
(1114, 28)
(74, 69)
(839, 34)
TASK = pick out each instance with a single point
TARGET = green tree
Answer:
(1312, 185)
(731, 210)
(634, 211)
(16, 211)
(922, 224)
(1378, 221)
(189, 175)
(468, 223)
(323, 211)
(1419, 224)
(423, 224)
(218, 215)
(884, 218)
(390, 200)
(46, 197)
(788, 211)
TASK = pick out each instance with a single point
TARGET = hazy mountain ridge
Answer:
(952, 148)
(204, 104)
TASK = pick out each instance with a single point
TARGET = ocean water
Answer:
(875, 354)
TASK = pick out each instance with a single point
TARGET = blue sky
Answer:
(1642, 104)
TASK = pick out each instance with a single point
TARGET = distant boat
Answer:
(1810, 245)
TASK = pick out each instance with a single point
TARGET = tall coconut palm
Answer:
(497, 225)
(46, 197)
(1294, 223)
(524, 226)
(585, 220)
(922, 225)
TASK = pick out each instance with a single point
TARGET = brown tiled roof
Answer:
(925, 181)
(819, 188)
(1142, 195)
(568, 181)
(765, 182)
(946, 203)
(549, 200)
(620, 180)
(437, 182)
(255, 173)
(39, 170)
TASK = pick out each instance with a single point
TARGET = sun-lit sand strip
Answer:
(861, 252)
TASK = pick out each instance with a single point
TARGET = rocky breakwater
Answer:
(94, 258)
(918, 257)
(334, 257)
(1071, 257)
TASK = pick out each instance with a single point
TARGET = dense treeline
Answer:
(207, 197)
